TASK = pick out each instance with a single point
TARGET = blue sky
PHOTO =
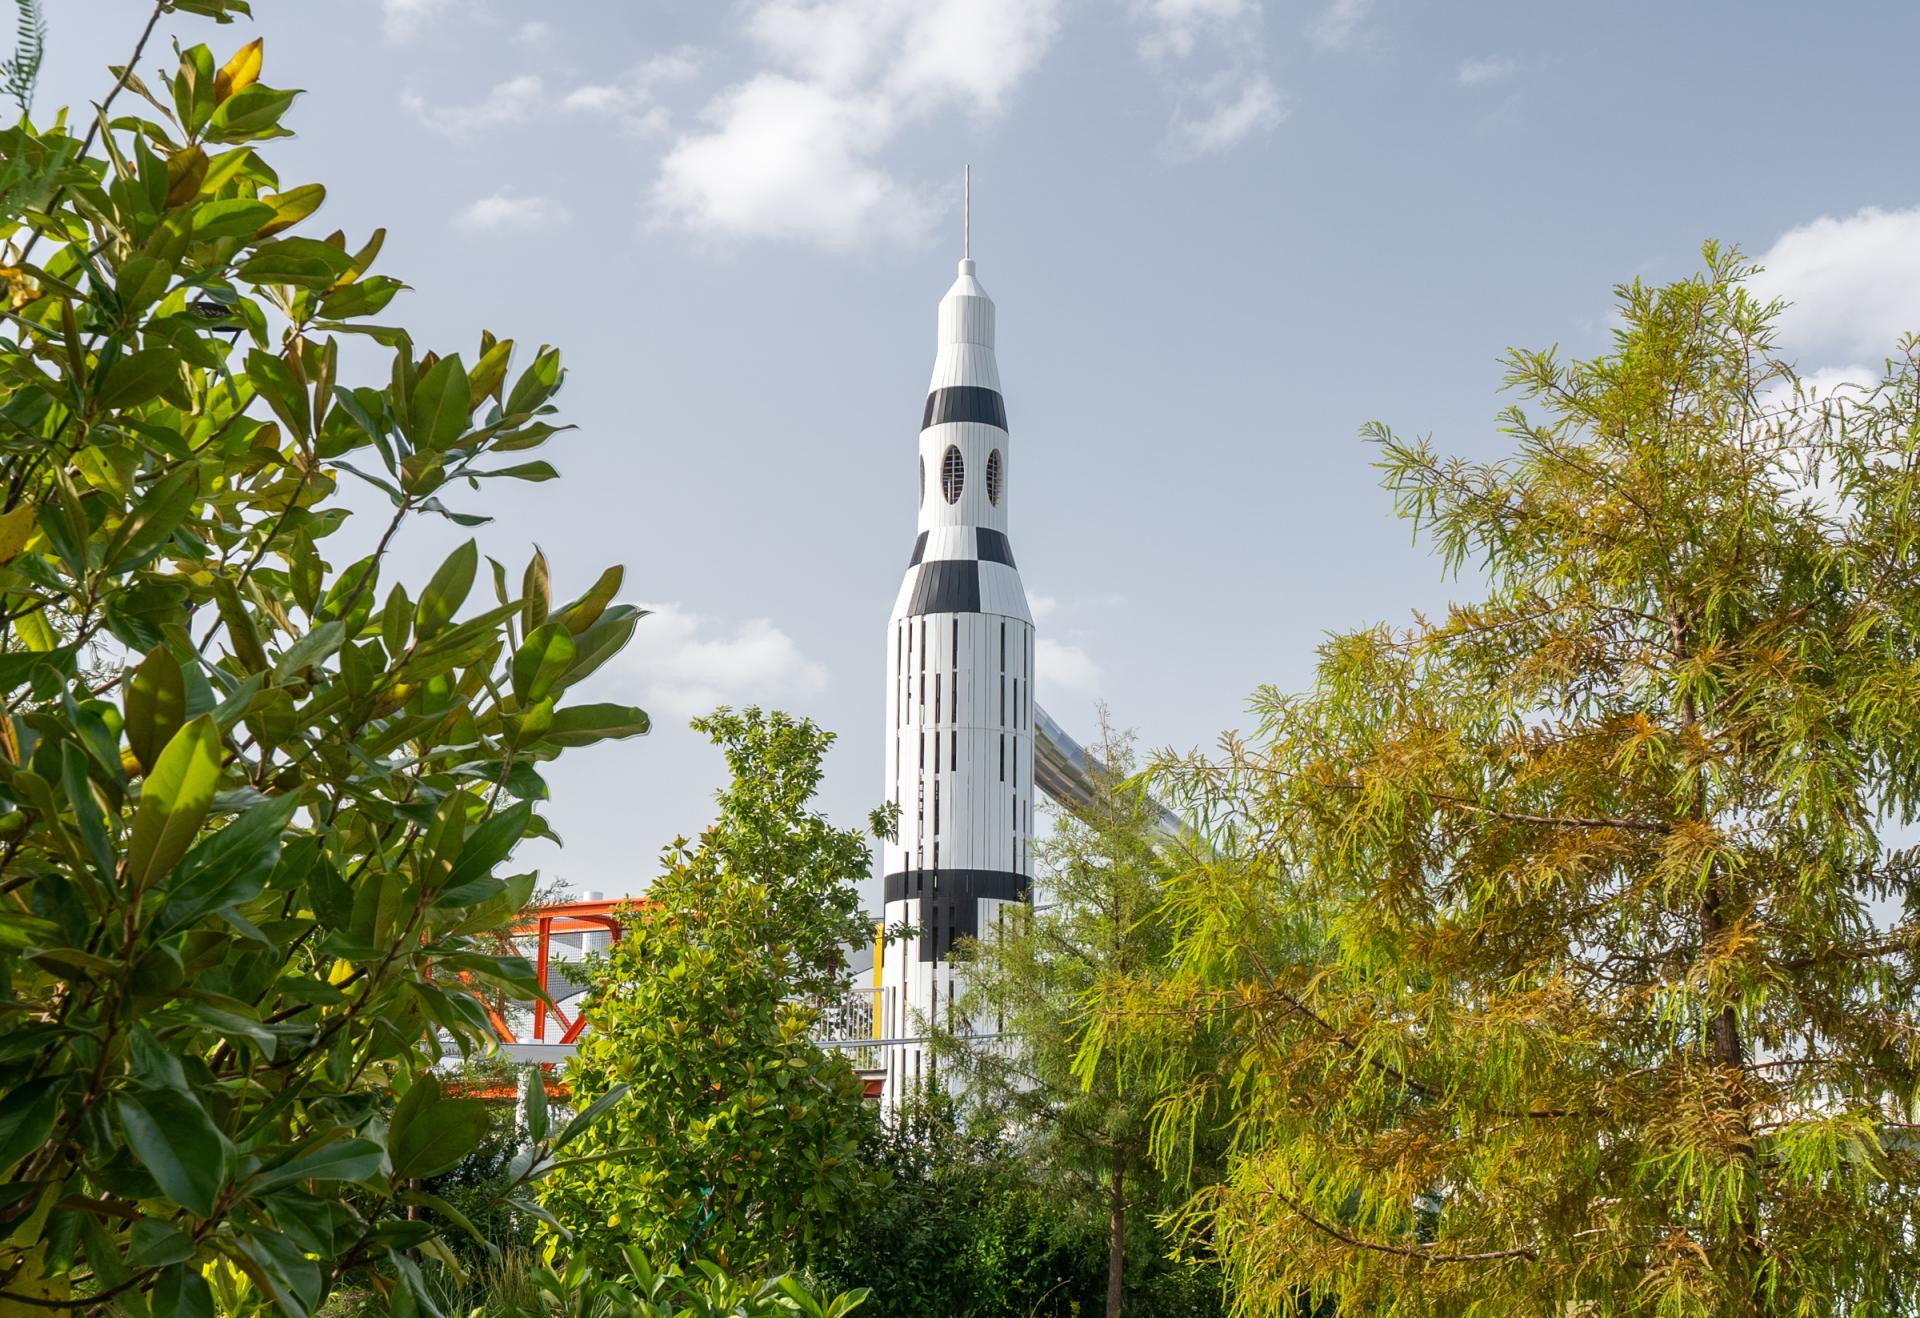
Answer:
(1222, 235)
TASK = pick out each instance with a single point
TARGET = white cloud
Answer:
(510, 102)
(1854, 283)
(1060, 666)
(1042, 606)
(1338, 26)
(1230, 96)
(1489, 68)
(790, 159)
(1231, 106)
(533, 33)
(402, 20)
(628, 101)
(632, 100)
(1176, 27)
(681, 663)
(796, 151)
(508, 210)
(1839, 382)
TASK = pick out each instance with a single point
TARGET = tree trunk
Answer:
(1116, 1234)
(1728, 1051)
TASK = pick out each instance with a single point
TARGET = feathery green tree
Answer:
(1565, 945)
(1027, 982)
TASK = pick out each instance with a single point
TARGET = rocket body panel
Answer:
(960, 660)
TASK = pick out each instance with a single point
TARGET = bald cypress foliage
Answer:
(1100, 915)
(1565, 945)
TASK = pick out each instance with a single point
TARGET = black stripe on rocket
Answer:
(965, 402)
(950, 902)
(990, 546)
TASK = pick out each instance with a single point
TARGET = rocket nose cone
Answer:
(966, 266)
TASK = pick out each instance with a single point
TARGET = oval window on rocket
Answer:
(953, 474)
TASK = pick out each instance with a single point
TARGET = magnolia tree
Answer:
(251, 799)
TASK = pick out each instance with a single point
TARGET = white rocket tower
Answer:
(959, 693)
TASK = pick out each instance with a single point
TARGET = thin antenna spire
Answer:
(966, 214)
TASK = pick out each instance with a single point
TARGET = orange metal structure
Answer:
(565, 918)
(580, 918)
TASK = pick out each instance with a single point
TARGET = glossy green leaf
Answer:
(140, 283)
(363, 297)
(447, 591)
(582, 725)
(181, 1292)
(525, 471)
(291, 207)
(229, 217)
(341, 1160)
(157, 1244)
(173, 802)
(230, 864)
(250, 112)
(154, 520)
(275, 382)
(585, 611)
(316, 647)
(27, 1113)
(178, 1143)
(536, 590)
(540, 661)
(243, 639)
(430, 1133)
(141, 377)
(534, 1091)
(489, 844)
(440, 408)
(156, 703)
(537, 383)
(88, 817)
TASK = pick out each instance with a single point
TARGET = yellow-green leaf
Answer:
(186, 171)
(156, 705)
(16, 528)
(586, 610)
(536, 589)
(34, 633)
(173, 802)
(447, 591)
(440, 407)
(149, 373)
(242, 637)
(489, 373)
(540, 661)
(291, 207)
(238, 72)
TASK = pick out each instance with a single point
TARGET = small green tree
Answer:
(738, 1138)
(767, 835)
(1027, 986)
(251, 800)
(1565, 944)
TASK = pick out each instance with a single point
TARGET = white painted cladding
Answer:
(959, 709)
(976, 442)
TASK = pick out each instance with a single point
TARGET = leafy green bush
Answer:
(517, 1285)
(251, 801)
(738, 1140)
(632, 1288)
(962, 1228)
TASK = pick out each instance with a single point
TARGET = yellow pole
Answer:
(879, 950)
